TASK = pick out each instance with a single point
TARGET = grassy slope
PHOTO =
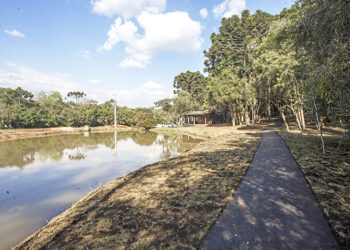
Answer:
(328, 175)
(171, 203)
(202, 132)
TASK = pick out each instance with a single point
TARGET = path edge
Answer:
(200, 246)
(310, 187)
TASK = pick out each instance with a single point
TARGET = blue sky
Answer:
(125, 49)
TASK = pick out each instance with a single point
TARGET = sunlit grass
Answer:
(328, 175)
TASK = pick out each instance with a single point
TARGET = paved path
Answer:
(273, 208)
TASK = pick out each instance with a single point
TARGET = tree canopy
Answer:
(21, 109)
(294, 65)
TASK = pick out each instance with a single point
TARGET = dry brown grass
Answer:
(169, 204)
(328, 175)
(207, 131)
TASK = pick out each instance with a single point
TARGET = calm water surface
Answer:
(41, 177)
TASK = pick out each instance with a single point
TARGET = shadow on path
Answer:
(273, 208)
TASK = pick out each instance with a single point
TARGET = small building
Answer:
(204, 117)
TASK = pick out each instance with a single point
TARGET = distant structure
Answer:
(205, 117)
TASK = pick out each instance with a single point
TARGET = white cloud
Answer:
(172, 31)
(127, 8)
(131, 63)
(203, 12)
(14, 32)
(119, 32)
(86, 53)
(95, 81)
(229, 7)
(142, 96)
(33, 80)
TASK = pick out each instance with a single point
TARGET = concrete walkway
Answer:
(273, 208)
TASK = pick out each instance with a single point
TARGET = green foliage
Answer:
(164, 104)
(76, 94)
(236, 40)
(194, 83)
(173, 108)
(145, 120)
(18, 108)
(230, 64)
(228, 90)
(324, 31)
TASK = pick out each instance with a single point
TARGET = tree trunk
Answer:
(284, 120)
(297, 119)
(269, 102)
(247, 119)
(319, 127)
(302, 117)
(233, 114)
(233, 117)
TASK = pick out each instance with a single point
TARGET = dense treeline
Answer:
(21, 109)
(295, 65)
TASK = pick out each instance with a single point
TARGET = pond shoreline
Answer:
(169, 203)
(16, 134)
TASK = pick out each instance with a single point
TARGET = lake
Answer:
(41, 177)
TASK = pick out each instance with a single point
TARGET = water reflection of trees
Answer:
(23, 152)
(172, 144)
(78, 155)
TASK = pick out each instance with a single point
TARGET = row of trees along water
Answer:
(295, 65)
(22, 109)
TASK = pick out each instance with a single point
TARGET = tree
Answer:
(6, 115)
(193, 83)
(145, 120)
(324, 31)
(184, 103)
(51, 105)
(236, 40)
(76, 94)
(165, 104)
(280, 70)
(230, 64)
(227, 91)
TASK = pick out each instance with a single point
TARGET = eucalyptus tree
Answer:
(324, 30)
(280, 69)
(227, 91)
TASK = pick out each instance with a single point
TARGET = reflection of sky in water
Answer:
(43, 188)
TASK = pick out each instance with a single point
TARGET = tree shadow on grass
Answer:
(328, 175)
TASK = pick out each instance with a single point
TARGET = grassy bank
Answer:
(328, 175)
(198, 131)
(169, 204)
